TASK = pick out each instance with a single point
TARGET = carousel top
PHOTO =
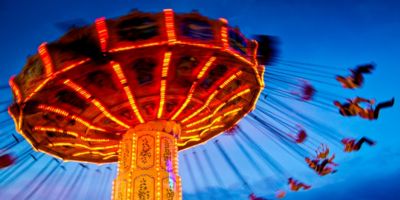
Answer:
(79, 94)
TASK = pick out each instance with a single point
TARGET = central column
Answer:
(148, 163)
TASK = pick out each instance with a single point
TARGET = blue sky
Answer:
(341, 33)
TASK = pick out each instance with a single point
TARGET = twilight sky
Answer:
(341, 33)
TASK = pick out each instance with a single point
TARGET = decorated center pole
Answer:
(148, 163)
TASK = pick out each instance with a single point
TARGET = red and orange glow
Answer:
(132, 85)
(94, 153)
(15, 89)
(56, 130)
(164, 74)
(65, 113)
(68, 144)
(193, 87)
(128, 92)
(139, 46)
(224, 33)
(46, 59)
(170, 25)
(52, 77)
(202, 111)
(78, 89)
(210, 98)
(102, 33)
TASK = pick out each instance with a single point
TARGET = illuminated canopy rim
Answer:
(79, 94)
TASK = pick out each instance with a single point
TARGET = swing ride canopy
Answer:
(78, 95)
